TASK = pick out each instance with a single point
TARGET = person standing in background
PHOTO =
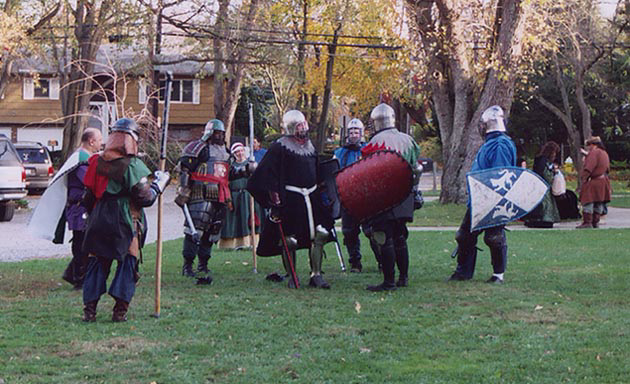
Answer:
(76, 211)
(546, 213)
(596, 190)
(236, 231)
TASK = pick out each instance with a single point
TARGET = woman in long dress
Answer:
(546, 213)
(236, 231)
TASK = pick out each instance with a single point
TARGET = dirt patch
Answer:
(15, 291)
(549, 316)
(113, 345)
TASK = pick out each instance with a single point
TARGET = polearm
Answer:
(158, 257)
(252, 212)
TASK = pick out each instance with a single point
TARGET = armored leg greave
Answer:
(495, 239)
(402, 261)
(317, 250)
(290, 267)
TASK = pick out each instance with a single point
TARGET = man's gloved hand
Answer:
(160, 181)
(183, 196)
(251, 167)
(275, 213)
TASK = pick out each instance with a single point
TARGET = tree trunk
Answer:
(228, 91)
(89, 28)
(321, 131)
(453, 86)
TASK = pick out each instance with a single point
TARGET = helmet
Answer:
(354, 124)
(383, 116)
(492, 120)
(211, 126)
(126, 125)
(294, 123)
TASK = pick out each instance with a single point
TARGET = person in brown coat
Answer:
(596, 188)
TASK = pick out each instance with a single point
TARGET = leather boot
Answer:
(187, 269)
(587, 221)
(596, 217)
(202, 267)
(89, 311)
(289, 267)
(388, 256)
(119, 314)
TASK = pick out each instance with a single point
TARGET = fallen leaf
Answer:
(357, 306)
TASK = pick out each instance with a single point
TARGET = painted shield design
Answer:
(501, 195)
(374, 184)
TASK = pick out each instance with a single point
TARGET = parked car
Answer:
(12, 179)
(427, 164)
(37, 164)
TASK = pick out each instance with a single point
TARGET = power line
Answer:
(290, 42)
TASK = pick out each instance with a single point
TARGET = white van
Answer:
(12, 179)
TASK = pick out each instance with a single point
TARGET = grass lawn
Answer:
(561, 316)
(434, 214)
(620, 201)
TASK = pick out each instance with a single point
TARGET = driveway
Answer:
(17, 244)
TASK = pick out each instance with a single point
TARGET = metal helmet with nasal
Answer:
(295, 124)
(492, 120)
(126, 125)
(212, 126)
(354, 132)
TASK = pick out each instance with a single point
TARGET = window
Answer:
(182, 91)
(44, 88)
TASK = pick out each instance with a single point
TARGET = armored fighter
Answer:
(286, 181)
(117, 189)
(204, 194)
(348, 154)
(389, 228)
(498, 150)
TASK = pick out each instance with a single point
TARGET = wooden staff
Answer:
(252, 212)
(158, 257)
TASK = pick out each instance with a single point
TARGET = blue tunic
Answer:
(348, 154)
(498, 151)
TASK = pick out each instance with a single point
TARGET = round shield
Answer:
(374, 184)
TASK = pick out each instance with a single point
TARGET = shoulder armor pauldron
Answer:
(194, 148)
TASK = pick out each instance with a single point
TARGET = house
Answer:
(30, 108)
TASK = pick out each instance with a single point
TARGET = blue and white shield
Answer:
(501, 195)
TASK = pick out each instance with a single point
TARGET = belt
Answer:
(309, 208)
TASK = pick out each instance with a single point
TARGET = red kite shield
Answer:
(374, 184)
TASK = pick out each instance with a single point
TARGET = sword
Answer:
(289, 257)
(338, 249)
(195, 236)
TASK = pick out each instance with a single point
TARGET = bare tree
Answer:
(470, 51)
(90, 22)
(583, 38)
(19, 36)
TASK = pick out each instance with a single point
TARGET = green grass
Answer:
(620, 201)
(562, 316)
(434, 214)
